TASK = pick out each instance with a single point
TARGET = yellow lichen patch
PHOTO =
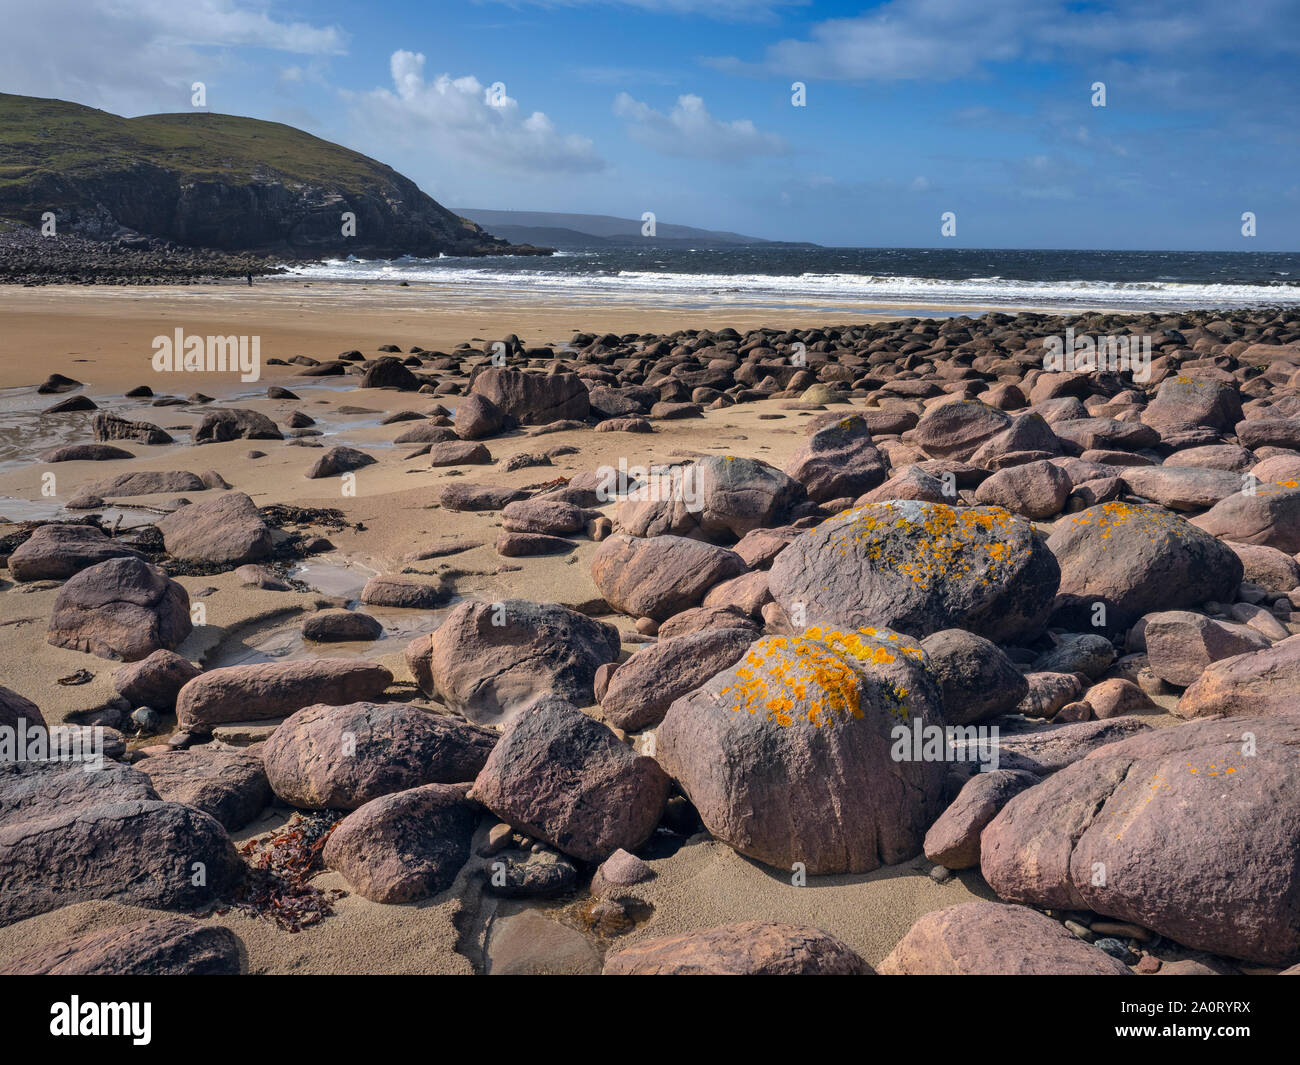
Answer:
(943, 544)
(1213, 769)
(851, 643)
(786, 679)
(1109, 517)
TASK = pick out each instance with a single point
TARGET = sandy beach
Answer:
(385, 515)
(102, 337)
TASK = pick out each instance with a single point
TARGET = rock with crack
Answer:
(342, 757)
(561, 777)
(1188, 831)
(489, 661)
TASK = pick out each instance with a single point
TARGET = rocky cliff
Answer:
(217, 181)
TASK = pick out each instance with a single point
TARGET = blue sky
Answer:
(684, 107)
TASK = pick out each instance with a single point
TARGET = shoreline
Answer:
(106, 333)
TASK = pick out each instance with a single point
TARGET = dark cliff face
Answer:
(217, 181)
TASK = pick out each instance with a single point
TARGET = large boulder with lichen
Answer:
(1119, 561)
(919, 567)
(1190, 831)
(796, 754)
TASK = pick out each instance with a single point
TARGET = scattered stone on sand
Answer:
(389, 590)
(407, 845)
(111, 427)
(341, 625)
(56, 552)
(235, 424)
(122, 609)
(341, 757)
(563, 778)
(275, 689)
(489, 661)
(339, 460)
(747, 949)
(227, 531)
(155, 680)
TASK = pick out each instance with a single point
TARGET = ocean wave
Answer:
(838, 287)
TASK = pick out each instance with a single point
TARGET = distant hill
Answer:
(215, 181)
(561, 230)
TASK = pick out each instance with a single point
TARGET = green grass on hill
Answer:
(52, 136)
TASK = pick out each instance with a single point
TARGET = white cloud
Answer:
(689, 130)
(133, 56)
(730, 10)
(944, 39)
(455, 117)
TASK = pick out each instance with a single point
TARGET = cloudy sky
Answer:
(687, 108)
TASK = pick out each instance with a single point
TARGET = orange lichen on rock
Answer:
(948, 543)
(1108, 517)
(852, 643)
(791, 678)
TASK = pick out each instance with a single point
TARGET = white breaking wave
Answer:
(814, 287)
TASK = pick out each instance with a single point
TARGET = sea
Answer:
(867, 280)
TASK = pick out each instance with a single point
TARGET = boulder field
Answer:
(1017, 650)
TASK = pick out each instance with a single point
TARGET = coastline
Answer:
(106, 333)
